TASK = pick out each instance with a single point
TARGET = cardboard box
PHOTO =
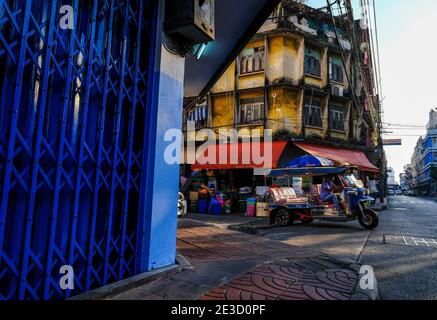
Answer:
(262, 210)
(194, 196)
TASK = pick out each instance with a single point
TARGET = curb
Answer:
(115, 288)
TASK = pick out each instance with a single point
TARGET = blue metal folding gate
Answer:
(73, 125)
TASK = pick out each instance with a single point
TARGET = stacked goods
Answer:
(243, 206)
(194, 196)
(204, 194)
(203, 206)
(251, 207)
(244, 194)
(204, 200)
(194, 207)
(195, 186)
(215, 207)
(262, 210)
(228, 206)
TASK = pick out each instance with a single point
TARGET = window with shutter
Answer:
(251, 110)
(312, 63)
(336, 118)
(252, 60)
(313, 113)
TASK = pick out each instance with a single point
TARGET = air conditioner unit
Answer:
(192, 20)
(337, 90)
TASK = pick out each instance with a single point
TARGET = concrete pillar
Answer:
(158, 240)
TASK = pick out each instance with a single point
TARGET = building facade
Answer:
(296, 79)
(406, 178)
(425, 158)
(391, 177)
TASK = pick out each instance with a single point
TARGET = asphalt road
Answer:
(403, 250)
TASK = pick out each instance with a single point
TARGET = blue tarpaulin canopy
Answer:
(310, 161)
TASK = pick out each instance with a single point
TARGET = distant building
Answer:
(406, 178)
(391, 177)
(425, 157)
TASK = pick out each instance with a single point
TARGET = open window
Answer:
(252, 60)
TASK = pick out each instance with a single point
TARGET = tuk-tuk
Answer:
(286, 207)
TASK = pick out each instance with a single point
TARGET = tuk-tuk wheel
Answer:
(283, 218)
(369, 220)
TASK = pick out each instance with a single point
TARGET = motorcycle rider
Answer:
(327, 193)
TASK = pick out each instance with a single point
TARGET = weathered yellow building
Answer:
(296, 79)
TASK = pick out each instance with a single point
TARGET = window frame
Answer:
(250, 104)
(310, 106)
(336, 71)
(337, 116)
(312, 63)
(252, 63)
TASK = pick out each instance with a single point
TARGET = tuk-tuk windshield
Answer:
(352, 181)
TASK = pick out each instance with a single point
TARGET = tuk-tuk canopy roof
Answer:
(299, 172)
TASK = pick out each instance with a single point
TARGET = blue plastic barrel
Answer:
(203, 206)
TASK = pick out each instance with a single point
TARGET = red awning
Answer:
(246, 158)
(342, 156)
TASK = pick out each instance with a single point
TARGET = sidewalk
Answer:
(228, 265)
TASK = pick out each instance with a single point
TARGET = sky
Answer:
(408, 55)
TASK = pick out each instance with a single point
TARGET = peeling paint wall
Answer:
(227, 81)
(282, 80)
(284, 110)
(223, 110)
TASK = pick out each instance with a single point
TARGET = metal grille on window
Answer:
(251, 110)
(252, 60)
(198, 116)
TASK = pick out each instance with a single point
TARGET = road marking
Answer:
(411, 241)
(417, 241)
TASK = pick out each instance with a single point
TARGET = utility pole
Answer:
(382, 174)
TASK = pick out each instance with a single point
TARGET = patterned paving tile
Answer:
(316, 277)
(274, 282)
(203, 243)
